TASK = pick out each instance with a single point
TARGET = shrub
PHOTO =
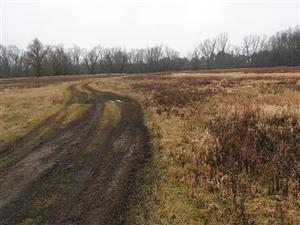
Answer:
(254, 148)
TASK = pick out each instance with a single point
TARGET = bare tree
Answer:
(4, 61)
(171, 56)
(116, 60)
(152, 57)
(252, 44)
(207, 48)
(137, 56)
(92, 57)
(195, 58)
(14, 55)
(36, 53)
(221, 42)
(8, 59)
(136, 61)
(281, 49)
(60, 59)
(196, 53)
(76, 58)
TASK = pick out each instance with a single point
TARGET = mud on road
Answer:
(78, 173)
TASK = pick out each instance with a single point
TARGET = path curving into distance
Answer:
(78, 172)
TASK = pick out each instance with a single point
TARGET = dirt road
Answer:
(78, 173)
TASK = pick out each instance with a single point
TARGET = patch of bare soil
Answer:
(76, 174)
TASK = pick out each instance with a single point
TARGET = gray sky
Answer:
(181, 24)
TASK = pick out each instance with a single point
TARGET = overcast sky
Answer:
(181, 24)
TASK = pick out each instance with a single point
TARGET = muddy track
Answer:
(44, 132)
(46, 124)
(78, 174)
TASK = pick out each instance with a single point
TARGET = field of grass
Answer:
(225, 147)
(22, 109)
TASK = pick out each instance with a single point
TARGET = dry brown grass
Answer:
(22, 108)
(196, 120)
(225, 147)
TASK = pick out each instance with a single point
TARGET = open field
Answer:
(73, 165)
(220, 148)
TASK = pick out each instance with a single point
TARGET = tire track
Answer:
(43, 132)
(38, 129)
(79, 175)
(32, 163)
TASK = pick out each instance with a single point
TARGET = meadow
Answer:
(224, 148)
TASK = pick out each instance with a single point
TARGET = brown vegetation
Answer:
(87, 147)
(224, 147)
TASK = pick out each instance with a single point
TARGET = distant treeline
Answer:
(281, 49)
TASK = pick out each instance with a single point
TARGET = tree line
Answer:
(280, 49)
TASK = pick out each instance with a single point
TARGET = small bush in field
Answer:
(265, 149)
(178, 93)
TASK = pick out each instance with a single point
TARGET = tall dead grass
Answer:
(228, 148)
(225, 147)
